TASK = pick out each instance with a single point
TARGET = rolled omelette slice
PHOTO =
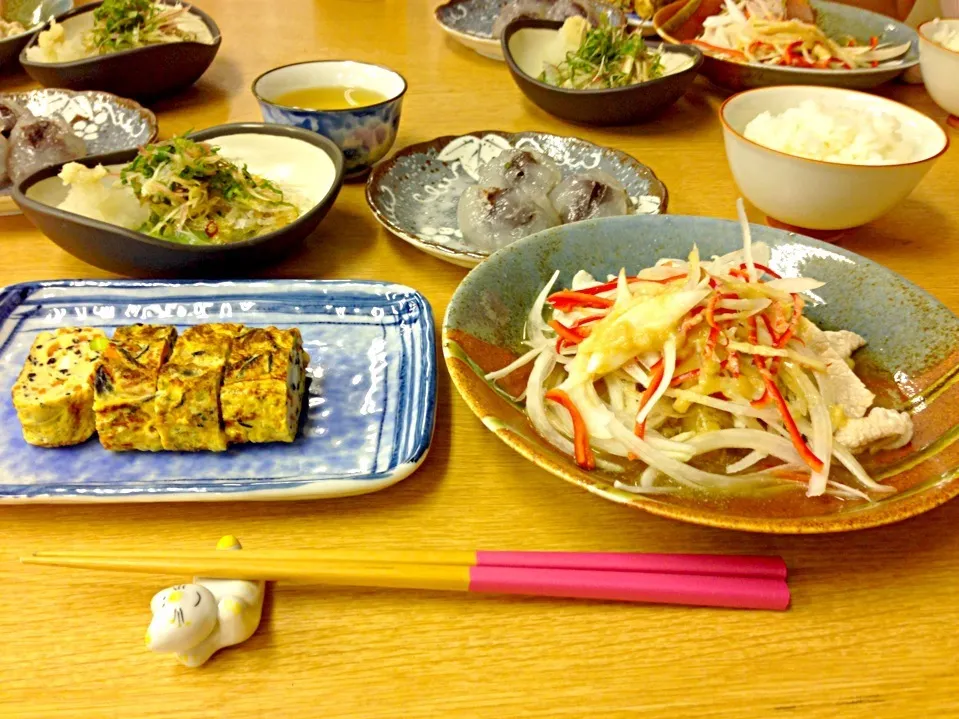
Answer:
(264, 384)
(54, 394)
(125, 387)
(188, 389)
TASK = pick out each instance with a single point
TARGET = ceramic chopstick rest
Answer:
(195, 620)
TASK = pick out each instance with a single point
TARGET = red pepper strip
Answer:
(769, 329)
(762, 401)
(874, 63)
(567, 334)
(571, 299)
(712, 283)
(763, 268)
(873, 41)
(793, 323)
(710, 348)
(716, 50)
(684, 377)
(694, 318)
(585, 321)
(584, 454)
(613, 284)
(732, 361)
(711, 310)
(797, 439)
(655, 378)
(739, 273)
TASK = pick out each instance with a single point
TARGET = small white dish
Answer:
(940, 66)
(814, 194)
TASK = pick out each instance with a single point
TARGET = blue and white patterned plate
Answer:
(371, 398)
(470, 22)
(106, 123)
(414, 194)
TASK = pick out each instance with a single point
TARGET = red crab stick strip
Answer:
(584, 453)
(569, 298)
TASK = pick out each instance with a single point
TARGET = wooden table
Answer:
(874, 624)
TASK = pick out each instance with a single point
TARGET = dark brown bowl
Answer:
(135, 254)
(144, 73)
(628, 105)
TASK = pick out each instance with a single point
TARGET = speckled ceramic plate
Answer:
(912, 358)
(367, 422)
(414, 194)
(837, 20)
(105, 122)
(470, 22)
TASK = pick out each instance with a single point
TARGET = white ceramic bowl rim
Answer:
(843, 91)
(947, 20)
(395, 96)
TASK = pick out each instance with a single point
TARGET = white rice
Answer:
(947, 35)
(834, 134)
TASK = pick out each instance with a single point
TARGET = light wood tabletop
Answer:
(874, 626)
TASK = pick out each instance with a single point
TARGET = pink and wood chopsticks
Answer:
(742, 582)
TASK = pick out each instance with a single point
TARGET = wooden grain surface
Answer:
(874, 628)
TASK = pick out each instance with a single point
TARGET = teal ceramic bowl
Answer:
(911, 362)
(835, 19)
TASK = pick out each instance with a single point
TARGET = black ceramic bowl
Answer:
(618, 106)
(135, 254)
(29, 13)
(144, 73)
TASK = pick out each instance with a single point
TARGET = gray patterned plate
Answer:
(470, 22)
(414, 194)
(105, 122)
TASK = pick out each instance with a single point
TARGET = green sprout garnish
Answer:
(195, 196)
(607, 57)
(126, 24)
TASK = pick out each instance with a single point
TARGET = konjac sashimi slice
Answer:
(629, 330)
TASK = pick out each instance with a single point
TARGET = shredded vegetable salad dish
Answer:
(126, 24)
(604, 57)
(704, 375)
(780, 33)
(196, 196)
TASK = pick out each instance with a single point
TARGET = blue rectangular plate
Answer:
(371, 398)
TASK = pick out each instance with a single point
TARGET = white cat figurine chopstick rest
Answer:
(195, 620)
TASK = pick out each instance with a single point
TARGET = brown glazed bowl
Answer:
(628, 105)
(136, 254)
(143, 73)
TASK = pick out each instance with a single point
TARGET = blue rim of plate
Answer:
(414, 407)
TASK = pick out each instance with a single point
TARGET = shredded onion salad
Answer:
(682, 363)
(758, 31)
